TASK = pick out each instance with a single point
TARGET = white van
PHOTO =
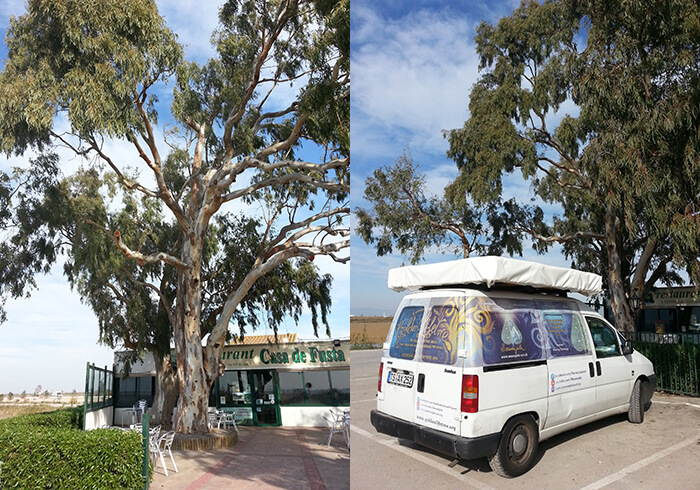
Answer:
(490, 357)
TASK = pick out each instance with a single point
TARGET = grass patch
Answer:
(368, 332)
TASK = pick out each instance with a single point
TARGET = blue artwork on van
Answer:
(503, 331)
(444, 333)
(514, 338)
(565, 334)
(403, 344)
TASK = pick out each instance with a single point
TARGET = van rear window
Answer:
(403, 343)
(442, 334)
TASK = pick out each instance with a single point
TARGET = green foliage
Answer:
(676, 365)
(404, 216)
(87, 60)
(48, 450)
(137, 248)
(624, 165)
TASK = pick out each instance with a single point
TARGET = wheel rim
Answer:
(519, 444)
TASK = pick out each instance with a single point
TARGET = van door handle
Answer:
(597, 367)
(590, 369)
(421, 382)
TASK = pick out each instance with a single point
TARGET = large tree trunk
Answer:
(166, 392)
(194, 380)
(618, 293)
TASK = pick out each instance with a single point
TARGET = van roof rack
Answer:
(510, 288)
(491, 271)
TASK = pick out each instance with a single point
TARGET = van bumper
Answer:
(449, 444)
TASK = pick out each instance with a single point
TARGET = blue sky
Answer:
(413, 65)
(49, 337)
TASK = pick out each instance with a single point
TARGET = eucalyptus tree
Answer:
(405, 215)
(624, 163)
(84, 76)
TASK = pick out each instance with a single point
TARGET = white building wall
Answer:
(307, 416)
(99, 418)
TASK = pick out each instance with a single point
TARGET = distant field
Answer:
(9, 410)
(366, 330)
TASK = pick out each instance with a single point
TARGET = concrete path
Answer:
(265, 457)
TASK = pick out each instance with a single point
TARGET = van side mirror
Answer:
(627, 348)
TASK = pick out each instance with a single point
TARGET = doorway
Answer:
(265, 397)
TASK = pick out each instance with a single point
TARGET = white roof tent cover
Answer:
(499, 271)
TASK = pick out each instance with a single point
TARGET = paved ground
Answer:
(265, 457)
(663, 452)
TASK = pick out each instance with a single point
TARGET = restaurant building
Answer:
(287, 383)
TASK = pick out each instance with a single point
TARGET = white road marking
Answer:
(673, 403)
(366, 377)
(641, 464)
(394, 444)
(373, 399)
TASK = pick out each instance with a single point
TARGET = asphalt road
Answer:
(663, 452)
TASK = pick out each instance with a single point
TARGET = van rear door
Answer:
(397, 375)
(439, 383)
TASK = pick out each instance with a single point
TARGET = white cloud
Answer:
(411, 74)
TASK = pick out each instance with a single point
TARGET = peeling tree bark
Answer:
(166, 392)
(618, 293)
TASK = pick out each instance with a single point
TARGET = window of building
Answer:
(234, 388)
(132, 389)
(291, 388)
(318, 388)
(340, 382)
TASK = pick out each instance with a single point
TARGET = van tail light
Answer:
(470, 393)
(379, 381)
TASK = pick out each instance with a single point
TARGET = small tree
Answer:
(404, 216)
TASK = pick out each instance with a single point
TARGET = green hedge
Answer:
(49, 451)
(675, 365)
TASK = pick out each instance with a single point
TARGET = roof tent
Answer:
(494, 271)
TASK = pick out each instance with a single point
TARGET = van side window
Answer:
(604, 338)
(503, 330)
(566, 334)
(403, 343)
(442, 333)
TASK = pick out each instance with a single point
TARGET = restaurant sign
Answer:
(674, 297)
(287, 356)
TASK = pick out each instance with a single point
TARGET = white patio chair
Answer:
(159, 447)
(335, 425)
(213, 418)
(229, 418)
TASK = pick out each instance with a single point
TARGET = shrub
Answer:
(48, 450)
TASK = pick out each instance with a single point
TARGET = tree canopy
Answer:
(403, 214)
(265, 123)
(624, 163)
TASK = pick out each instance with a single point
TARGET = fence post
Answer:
(144, 439)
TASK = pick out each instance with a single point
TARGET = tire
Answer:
(636, 410)
(517, 448)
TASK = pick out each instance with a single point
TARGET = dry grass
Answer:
(369, 330)
(9, 410)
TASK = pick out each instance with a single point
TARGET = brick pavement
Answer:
(265, 457)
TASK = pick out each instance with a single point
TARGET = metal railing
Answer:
(676, 359)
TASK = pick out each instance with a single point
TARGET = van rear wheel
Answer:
(517, 448)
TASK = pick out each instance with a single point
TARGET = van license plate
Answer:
(400, 379)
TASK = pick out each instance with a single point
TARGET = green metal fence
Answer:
(676, 358)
